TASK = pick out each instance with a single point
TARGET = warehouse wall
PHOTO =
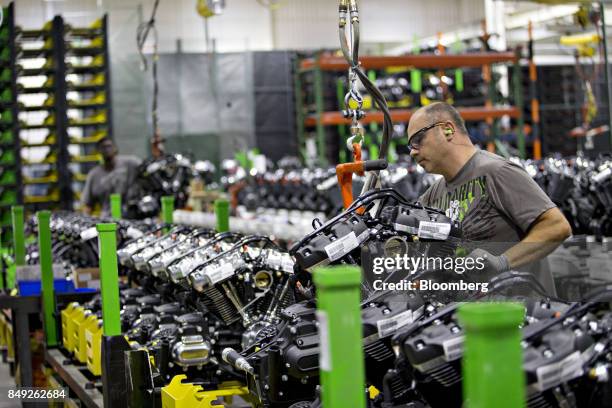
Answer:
(301, 24)
(244, 26)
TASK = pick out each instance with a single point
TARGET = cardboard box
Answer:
(86, 277)
(32, 272)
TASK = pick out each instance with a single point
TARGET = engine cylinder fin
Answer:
(378, 351)
(446, 375)
(538, 401)
(221, 305)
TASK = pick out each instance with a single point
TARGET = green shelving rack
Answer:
(318, 112)
(10, 160)
(60, 108)
(89, 96)
(39, 90)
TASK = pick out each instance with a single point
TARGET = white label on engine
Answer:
(133, 233)
(392, 324)
(433, 230)
(556, 373)
(342, 246)
(324, 352)
(274, 259)
(405, 228)
(220, 273)
(89, 233)
(602, 176)
(453, 348)
(363, 236)
(287, 264)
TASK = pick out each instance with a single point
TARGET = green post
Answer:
(374, 145)
(299, 110)
(458, 48)
(491, 97)
(167, 203)
(492, 345)
(416, 80)
(222, 213)
(339, 316)
(342, 156)
(115, 206)
(518, 100)
(18, 234)
(109, 276)
(46, 271)
(459, 80)
(318, 90)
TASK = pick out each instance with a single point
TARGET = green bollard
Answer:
(167, 217)
(492, 362)
(18, 234)
(459, 80)
(114, 345)
(115, 206)
(109, 278)
(167, 203)
(222, 213)
(339, 316)
(46, 272)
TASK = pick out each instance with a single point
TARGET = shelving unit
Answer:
(39, 115)
(10, 160)
(319, 118)
(88, 97)
(61, 96)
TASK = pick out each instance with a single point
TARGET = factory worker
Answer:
(114, 175)
(495, 200)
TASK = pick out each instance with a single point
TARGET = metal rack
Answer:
(88, 95)
(76, 76)
(16, 320)
(323, 63)
(10, 159)
(41, 178)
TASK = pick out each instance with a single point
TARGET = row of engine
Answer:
(582, 189)
(222, 308)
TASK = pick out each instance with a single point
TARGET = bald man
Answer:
(496, 200)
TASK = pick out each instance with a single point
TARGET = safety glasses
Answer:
(415, 141)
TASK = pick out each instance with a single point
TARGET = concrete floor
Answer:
(6, 381)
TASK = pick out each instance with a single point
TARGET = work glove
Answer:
(493, 264)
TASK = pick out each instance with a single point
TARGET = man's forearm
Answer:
(549, 231)
(526, 252)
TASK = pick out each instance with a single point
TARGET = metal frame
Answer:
(107, 79)
(21, 308)
(434, 61)
(519, 103)
(61, 115)
(74, 378)
(606, 67)
(318, 88)
(299, 109)
(15, 108)
(403, 115)
(321, 118)
(12, 106)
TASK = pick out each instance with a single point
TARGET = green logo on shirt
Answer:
(458, 203)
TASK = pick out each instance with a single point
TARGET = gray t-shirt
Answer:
(495, 200)
(101, 183)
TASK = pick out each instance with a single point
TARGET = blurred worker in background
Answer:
(114, 175)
